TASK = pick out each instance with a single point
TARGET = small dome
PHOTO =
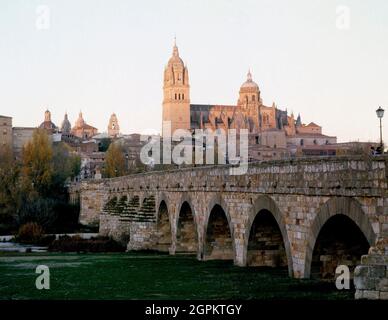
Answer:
(47, 124)
(250, 83)
(175, 57)
(66, 125)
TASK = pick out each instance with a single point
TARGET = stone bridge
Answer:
(307, 215)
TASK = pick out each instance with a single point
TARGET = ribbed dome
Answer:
(175, 57)
(47, 123)
(250, 83)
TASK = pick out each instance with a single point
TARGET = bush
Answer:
(38, 210)
(77, 244)
(30, 232)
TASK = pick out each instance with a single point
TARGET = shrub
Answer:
(38, 210)
(30, 232)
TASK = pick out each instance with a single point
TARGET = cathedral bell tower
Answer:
(176, 93)
(249, 102)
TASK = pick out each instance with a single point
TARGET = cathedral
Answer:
(264, 123)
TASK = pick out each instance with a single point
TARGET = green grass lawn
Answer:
(151, 276)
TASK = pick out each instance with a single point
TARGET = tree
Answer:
(115, 164)
(37, 164)
(35, 189)
(66, 165)
(9, 175)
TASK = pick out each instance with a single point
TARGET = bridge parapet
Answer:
(341, 176)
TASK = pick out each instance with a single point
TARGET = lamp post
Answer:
(380, 115)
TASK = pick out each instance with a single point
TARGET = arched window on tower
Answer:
(175, 97)
(183, 96)
(253, 97)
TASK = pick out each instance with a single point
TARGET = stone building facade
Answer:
(21, 136)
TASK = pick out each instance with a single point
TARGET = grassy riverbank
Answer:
(151, 276)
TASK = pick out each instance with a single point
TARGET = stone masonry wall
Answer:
(371, 277)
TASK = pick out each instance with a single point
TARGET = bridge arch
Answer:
(218, 233)
(186, 228)
(338, 210)
(163, 233)
(265, 219)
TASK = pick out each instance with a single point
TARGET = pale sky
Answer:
(109, 55)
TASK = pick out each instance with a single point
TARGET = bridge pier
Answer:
(371, 276)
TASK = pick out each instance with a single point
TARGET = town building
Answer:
(21, 136)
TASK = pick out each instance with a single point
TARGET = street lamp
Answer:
(380, 115)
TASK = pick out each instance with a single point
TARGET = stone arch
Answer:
(163, 198)
(346, 206)
(265, 204)
(217, 200)
(219, 236)
(186, 228)
(163, 232)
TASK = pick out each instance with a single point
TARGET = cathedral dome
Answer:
(175, 59)
(47, 124)
(250, 83)
(66, 125)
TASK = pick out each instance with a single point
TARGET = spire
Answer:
(175, 51)
(249, 75)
